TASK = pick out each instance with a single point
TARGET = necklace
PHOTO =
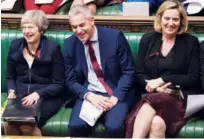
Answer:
(30, 53)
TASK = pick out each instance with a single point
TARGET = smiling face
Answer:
(82, 27)
(31, 33)
(170, 22)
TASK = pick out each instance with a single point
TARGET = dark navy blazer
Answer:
(46, 76)
(116, 59)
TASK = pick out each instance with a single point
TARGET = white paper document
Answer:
(194, 104)
(43, 1)
(135, 9)
(90, 113)
(7, 4)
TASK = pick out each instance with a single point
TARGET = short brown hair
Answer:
(171, 4)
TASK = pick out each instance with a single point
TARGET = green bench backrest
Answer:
(8, 35)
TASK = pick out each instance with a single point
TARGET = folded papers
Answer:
(90, 113)
(194, 104)
(135, 9)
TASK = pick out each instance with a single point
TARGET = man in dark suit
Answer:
(99, 69)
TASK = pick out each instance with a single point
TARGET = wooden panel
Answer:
(123, 23)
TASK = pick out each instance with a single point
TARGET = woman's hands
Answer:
(164, 88)
(30, 99)
(158, 85)
(153, 84)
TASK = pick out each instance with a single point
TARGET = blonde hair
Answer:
(36, 17)
(79, 10)
(171, 4)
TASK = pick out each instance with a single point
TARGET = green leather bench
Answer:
(110, 10)
(58, 124)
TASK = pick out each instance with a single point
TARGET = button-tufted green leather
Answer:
(64, 9)
(58, 124)
(109, 11)
(193, 129)
(112, 10)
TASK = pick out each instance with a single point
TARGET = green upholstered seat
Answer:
(112, 10)
(64, 9)
(58, 124)
(194, 128)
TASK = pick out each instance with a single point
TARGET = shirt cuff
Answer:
(86, 95)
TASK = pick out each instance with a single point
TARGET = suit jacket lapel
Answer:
(18, 55)
(103, 50)
(82, 58)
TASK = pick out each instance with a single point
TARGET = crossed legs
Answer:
(147, 122)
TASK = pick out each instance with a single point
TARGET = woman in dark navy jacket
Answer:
(35, 70)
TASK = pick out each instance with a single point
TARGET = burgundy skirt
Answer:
(169, 108)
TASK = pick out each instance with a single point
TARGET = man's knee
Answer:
(158, 124)
(78, 129)
(72, 126)
(77, 123)
(114, 130)
(114, 127)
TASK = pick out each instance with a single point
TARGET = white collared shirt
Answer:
(93, 83)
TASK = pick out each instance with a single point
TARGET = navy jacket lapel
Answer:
(102, 47)
(82, 58)
(18, 55)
